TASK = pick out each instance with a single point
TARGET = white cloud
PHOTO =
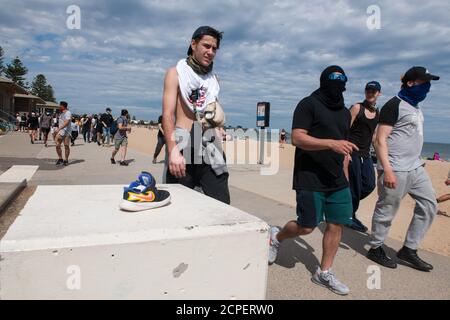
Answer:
(272, 49)
(77, 43)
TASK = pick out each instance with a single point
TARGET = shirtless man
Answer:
(63, 133)
(181, 110)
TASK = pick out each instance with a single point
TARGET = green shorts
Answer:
(118, 142)
(333, 207)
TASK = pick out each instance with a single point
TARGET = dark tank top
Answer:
(362, 130)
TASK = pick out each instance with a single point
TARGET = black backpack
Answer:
(114, 127)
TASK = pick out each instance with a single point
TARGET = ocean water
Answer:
(430, 148)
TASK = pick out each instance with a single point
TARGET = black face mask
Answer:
(331, 90)
(334, 90)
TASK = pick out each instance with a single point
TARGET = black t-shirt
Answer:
(87, 124)
(320, 171)
(390, 112)
(107, 119)
(33, 122)
(99, 127)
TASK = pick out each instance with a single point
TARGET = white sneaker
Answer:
(328, 280)
(274, 244)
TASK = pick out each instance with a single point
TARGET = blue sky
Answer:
(272, 51)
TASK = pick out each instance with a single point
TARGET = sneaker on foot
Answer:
(139, 197)
(113, 161)
(65, 163)
(59, 162)
(274, 244)
(154, 161)
(358, 226)
(124, 163)
(379, 256)
(328, 280)
(410, 256)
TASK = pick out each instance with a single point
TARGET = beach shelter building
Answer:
(49, 106)
(7, 91)
(25, 102)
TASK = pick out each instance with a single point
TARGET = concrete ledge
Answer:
(9, 191)
(18, 173)
(72, 242)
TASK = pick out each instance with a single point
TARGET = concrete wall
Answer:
(72, 242)
(24, 105)
(6, 99)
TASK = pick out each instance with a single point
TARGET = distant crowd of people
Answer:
(103, 129)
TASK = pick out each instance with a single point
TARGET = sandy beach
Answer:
(437, 239)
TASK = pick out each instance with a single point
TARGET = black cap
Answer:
(418, 73)
(205, 31)
(373, 85)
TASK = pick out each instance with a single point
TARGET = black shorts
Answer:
(203, 175)
(33, 128)
(161, 139)
(45, 130)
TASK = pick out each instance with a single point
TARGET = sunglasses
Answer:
(338, 76)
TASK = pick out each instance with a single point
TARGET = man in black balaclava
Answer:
(320, 130)
(332, 85)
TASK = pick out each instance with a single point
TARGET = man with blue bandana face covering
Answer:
(401, 171)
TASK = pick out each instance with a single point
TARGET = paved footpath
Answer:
(289, 277)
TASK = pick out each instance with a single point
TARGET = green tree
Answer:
(42, 89)
(16, 71)
(50, 94)
(39, 86)
(1, 60)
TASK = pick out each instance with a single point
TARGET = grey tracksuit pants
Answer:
(418, 185)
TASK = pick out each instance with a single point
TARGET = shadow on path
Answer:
(297, 250)
(358, 241)
(44, 164)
